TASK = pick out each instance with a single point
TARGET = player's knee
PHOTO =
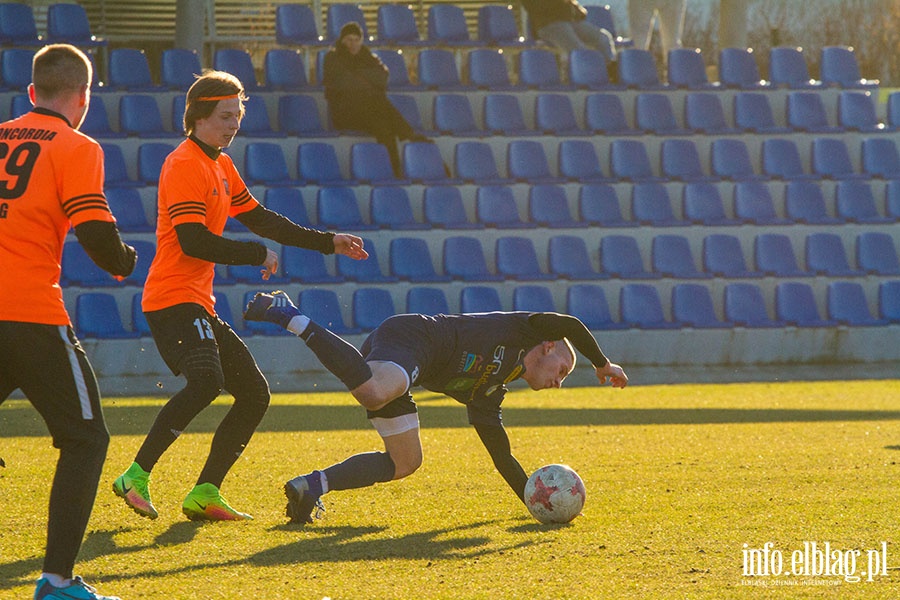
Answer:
(370, 396)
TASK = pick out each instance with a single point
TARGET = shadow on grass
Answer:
(136, 420)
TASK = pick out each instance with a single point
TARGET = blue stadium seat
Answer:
(298, 114)
(463, 259)
(568, 258)
(539, 70)
(139, 115)
(19, 105)
(731, 160)
(598, 205)
(323, 307)
(437, 70)
(825, 255)
(307, 266)
(746, 307)
(753, 204)
(285, 70)
(806, 112)
(150, 158)
(628, 160)
(179, 68)
(370, 163)
(128, 208)
(680, 160)
(497, 26)
(256, 122)
(145, 250)
(68, 23)
(880, 158)
(781, 159)
(371, 306)
(847, 305)
(502, 115)
(295, 25)
(892, 199)
(79, 270)
(517, 259)
(533, 298)
(686, 69)
(138, 320)
(363, 271)
(601, 16)
(604, 113)
(855, 202)
(495, 206)
(265, 164)
(555, 115)
(702, 204)
(587, 301)
(15, 67)
(738, 69)
(398, 72)
(621, 257)
(443, 208)
(651, 205)
(795, 304)
(115, 171)
(588, 70)
(831, 160)
(317, 163)
(237, 62)
(787, 68)
(473, 162)
(527, 162)
(577, 161)
(805, 203)
(223, 310)
(893, 109)
(479, 299)
(390, 208)
(641, 307)
(452, 115)
(339, 14)
(723, 257)
(426, 301)
(396, 26)
(17, 26)
(876, 253)
(692, 306)
(129, 71)
(410, 260)
(703, 113)
(96, 123)
(889, 301)
(856, 111)
(654, 114)
(637, 69)
(447, 26)
(548, 206)
(838, 66)
(179, 101)
(288, 202)
(97, 316)
(337, 209)
(671, 256)
(774, 256)
(753, 112)
(422, 163)
(488, 70)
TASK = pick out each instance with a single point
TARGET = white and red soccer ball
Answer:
(555, 494)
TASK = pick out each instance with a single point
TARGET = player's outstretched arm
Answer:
(496, 441)
(612, 373)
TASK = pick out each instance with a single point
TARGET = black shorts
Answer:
(179, 329)
(50, 367)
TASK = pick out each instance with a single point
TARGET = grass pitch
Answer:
(694, 491)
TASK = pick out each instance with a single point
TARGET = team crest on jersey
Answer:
(471, 362)
(227, 190)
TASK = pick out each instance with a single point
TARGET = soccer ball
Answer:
(555, 494)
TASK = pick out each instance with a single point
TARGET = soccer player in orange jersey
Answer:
(199, 188)
(51, 178)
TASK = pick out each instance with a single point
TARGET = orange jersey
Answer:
(193, 188)
(51, 178)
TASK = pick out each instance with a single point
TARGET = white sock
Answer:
(55, 580)
(324, 481)
(298, 324)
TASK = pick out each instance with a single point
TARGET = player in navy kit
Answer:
(471, 358)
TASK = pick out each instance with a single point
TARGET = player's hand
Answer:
(349, 245)
(614, 374)
(270, 266)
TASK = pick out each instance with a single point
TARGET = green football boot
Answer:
(131, 486)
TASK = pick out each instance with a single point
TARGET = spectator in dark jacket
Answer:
(563, 23)
(356, 91)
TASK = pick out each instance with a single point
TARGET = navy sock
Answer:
(360, 470)
(336, 355)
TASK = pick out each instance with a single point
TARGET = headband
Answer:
(216, 98)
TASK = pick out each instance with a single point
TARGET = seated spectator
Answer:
(356, 91)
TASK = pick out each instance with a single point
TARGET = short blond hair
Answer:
(58, 69)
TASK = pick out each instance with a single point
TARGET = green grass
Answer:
(679, 478)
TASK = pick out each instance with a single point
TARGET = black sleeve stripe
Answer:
(242, 198)
(187, 208)
(81, 203)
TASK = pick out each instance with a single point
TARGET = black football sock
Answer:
(336, 355)
(360, 470)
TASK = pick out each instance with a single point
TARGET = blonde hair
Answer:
(205, 93)
(58, 69)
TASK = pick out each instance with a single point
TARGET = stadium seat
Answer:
(96, 122)
(479, 299)
(115, 172)
(15, 66)
(753, 112)
(671, 256)
(265, 164)
(876, 253)
(306, 266)
(19, 105)
(79, 270)
(825, 255)
(604, 113)
(443, 208)
(746, 307)
(295, 25)
(237, 62)
(893, 109)
(129, 71)
(497, 26)
(651, 205)
(452, 115)
(495, 206)
(577, 161)
(806, 112)
(516, 259)
(138, 321)
(831, 160)
(738, 69)
(363, 271)
(447, 26)
(398, 72)
(298, 115)
(774, 256)
(371, 306)
(150, 159)
(654, 115)
(488, 70)
(892, 199)
(692, 306)
(856, 111)
(533, 298)
(588, 303)
(473, 162)
(539, 70)
(396, 26)
(753, 204)
(339, 14)
(179, 68)
(628, 160)
(847, 305)
(390, 208)
(601, 16)
(781, 159)
(97, 316)
(588, 70)
(568, 258)
(463, 259)
(139, 115)
(426, 301)
(641, 307)
(17, 26)
(787, 68)
(723, 257)
(680, 160)
(252, 274)
(805, 203)
(68, 24)
(126, 205)
(422, 163)
(437, 70)
(285, 70)
(889, 301)
(702, 204)
(256, 122)
(880, 158)
(323, 307)
(555, 115)
(317, 163)
(620, 257)
(526, 162)
(731, 160)
(548, 206)
(502, 115)
(855, 203)
(598, 205)
(838, 66)
(795, 304)
(370, 163)
(637, 69)
(287, 201)
(337, 209)
(686, 69)
(703, 113)
(410, 260)
(179, 101)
